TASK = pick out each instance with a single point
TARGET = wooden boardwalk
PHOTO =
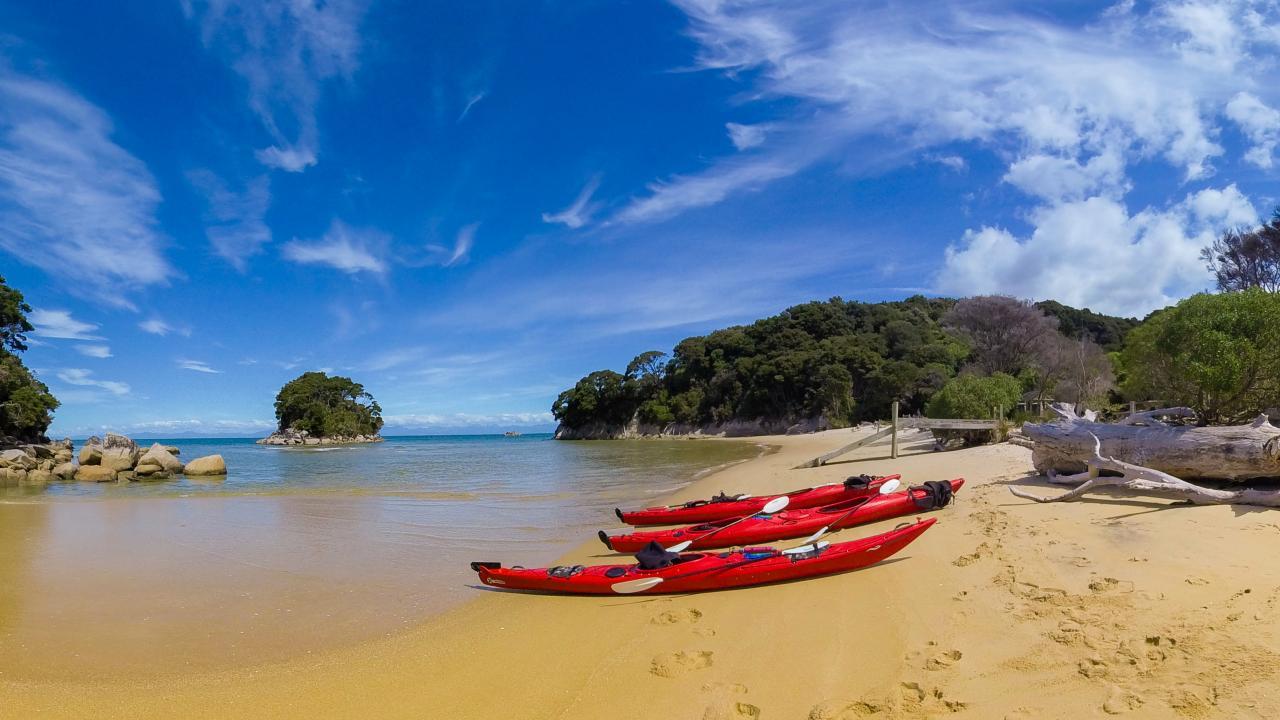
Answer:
(891, 431)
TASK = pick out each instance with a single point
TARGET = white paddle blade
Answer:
(807, 548)
(890, 486)
(777, 504)
(630, 587)
(680, 547)
(809, 540)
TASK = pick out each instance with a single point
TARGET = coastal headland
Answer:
(1005, 609)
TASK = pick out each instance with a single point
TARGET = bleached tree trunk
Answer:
(1238, 452)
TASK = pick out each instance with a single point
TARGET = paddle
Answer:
(775, 505)
(885, 489)
(628, 587)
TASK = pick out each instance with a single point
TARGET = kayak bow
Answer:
(724, 507)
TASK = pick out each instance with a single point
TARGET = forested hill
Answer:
(841, 360)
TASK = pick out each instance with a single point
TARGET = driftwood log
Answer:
(1149, 482)
(1233, 453)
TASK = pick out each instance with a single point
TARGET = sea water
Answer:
(300, 549)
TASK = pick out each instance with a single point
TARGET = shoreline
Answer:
(1004, 609)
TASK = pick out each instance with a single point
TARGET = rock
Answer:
(17, 458)
(119, 457)
(126, 476)
(95, 473)
(41, 452)
(311, 441)
(39, 476)
(207, 465)
(159, 454)
(12, 475)
(62, 456)
(172, 449)
(93, 440)
(147, 468)
(118, 441)
(65, 471)
(90, 455)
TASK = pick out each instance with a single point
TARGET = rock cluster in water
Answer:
(302, 437)
(113, 459)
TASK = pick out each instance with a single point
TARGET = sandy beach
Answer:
(1005, 609)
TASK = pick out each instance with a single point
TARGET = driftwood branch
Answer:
(1233, 453)
(1148, 481)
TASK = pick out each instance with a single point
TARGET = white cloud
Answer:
(94, 351)
(1071, 106)
(59, 324)
(471, 102)
(156, 326)
(350, 250)
(84, 378)
(174, 427)
(745, 137)
(285, 50)
(1093, 253)
(1260, 123)
(197, 366)
(72, 202)
(234, 221)
(580, 211)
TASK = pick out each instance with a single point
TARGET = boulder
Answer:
(64, 471)
(17, 458)
(63, 455)
(159, 455)
(12, 475)
(119, 457)
(93, 440)
(39, 476)
(173, 449)
(90, 455)
(118, 441)
(40, 452)
(95, 473)
(207, 465)
(126, 476)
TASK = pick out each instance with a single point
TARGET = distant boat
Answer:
(511, 433)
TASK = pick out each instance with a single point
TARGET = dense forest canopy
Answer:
(327, 406)
(26, 405)
(843, 360)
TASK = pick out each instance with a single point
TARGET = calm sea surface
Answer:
(298, 549)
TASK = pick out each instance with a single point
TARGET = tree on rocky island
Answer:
(325, 406)
(26, 405)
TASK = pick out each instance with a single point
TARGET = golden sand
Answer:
(1005, 609)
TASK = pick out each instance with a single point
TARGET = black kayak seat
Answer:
(654, 557)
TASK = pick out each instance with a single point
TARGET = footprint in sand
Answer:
(731, 711)
(678, 663)
(1120, 701)
(671, 617)
(1193, 580)
(839, 710)
(1107, 584)
(943, 660)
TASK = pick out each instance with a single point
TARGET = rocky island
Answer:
(316, 409)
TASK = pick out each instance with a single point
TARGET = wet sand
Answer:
(1005, 609)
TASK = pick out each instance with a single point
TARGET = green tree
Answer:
(970, 396)
(1218, 354)
(603, 396)
(26, 405)
(327, 406)
(14, 325)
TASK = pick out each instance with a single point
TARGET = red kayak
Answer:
(694, 572)
(722, 507)
(793, 523)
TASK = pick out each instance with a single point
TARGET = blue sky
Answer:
(467, 206)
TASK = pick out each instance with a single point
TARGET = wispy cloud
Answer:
(234, 222)
(351, 250)
(156, 326)
(678, 194)
(59, 324)
(461, 250)
(84, 378)
(185, 426)
(94, 351)
(197, 366)
(580, 211)
(1260, 123)
(745, 137)
(474, 98)
(72, 202)
(285, 51)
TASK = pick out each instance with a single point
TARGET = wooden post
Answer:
(1133, 407)
(894, 452)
